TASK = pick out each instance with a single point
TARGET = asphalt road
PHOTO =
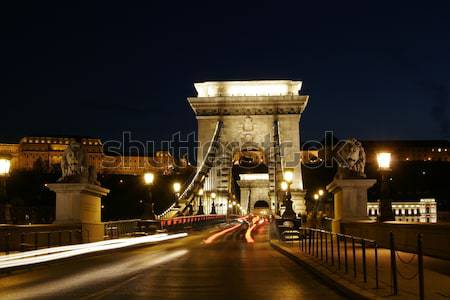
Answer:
(226, 268)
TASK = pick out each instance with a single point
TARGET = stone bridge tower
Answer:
(261, 121)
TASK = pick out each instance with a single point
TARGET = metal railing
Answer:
(46, 239)
(192, 221)
(353, 255)
(349, 254)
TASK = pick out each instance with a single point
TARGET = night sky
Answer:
(373, 71)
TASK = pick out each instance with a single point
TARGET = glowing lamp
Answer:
(176, 187)
(148, 178)
(284, 186)
(213, 195)
(316, 196)
(320, 192)
(288, 176)
(200, 192)
(384, 160)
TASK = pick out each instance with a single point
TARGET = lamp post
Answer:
(384, 167)
(200, 204)
(288, 213)
(213, 205)
(5, 166)
(149, 212)
(176, 189)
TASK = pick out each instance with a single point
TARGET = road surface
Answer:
(227, 267)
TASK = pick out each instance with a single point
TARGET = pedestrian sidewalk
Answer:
(436, 272)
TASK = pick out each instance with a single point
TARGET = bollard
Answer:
(354, 257)
(363, 248)
(420, 266)
(393, 264)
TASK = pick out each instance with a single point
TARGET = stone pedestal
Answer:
(350, 200)
(80, 203)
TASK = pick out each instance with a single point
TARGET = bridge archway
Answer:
(260, 119)
(261, 204)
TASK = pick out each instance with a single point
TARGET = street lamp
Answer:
(200, 204)
(5, 166)
(288, 213)
(384, 167)
(213, 205)
(176, 189)
(149, 212)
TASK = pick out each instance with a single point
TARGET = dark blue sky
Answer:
(373, 71)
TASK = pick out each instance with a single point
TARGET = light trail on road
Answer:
(83, 249)
(248, 234)
(212, 238)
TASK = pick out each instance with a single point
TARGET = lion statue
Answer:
(352, 160)
(74, 166)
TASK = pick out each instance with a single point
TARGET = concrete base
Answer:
(80, 203)
(350, 200)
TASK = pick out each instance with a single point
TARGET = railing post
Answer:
(70, 237)
(326, 247)
(420, 266)
(22, 241)
(49, 238)
(302, 239)
(321, 244)
(309, 242)
(393, 264)
(354, 257)
(338, 245)
(317, 244)
(332, 248)
(376, 265)
(36, 240)
(345, 255)
(60, 238)
(7, 242)
(363, 248)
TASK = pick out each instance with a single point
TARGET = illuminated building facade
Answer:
(424, 211)
(46, 153)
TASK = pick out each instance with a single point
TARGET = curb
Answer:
(349, 290)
